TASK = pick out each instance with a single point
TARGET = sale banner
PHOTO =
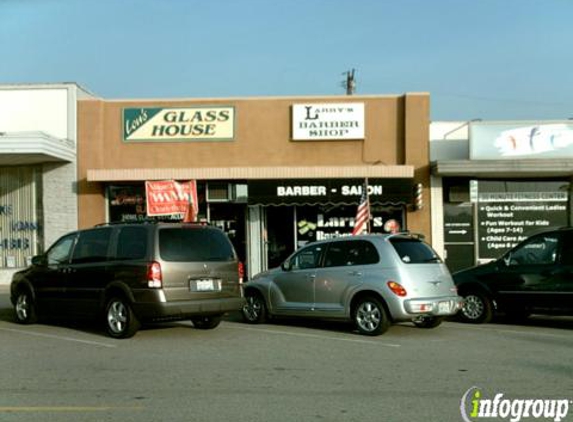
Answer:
(167, 197)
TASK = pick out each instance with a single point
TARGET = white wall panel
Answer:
(35, 109)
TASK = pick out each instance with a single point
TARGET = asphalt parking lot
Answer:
(286, 371)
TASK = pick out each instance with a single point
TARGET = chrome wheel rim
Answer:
(473, 307)
(368, 316)
(117, 317)
(253, 308)
(22, 307)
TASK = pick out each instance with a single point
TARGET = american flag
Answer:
(363, 213)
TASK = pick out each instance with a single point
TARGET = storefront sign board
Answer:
(520, 140)
(507, 218)
(327, 121)
(329, 191)
(178, 124)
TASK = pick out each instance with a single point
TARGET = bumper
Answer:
(147, 311)
(441, 306)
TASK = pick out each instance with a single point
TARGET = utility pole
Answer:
(350, 83)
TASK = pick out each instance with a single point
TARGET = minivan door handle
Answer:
(355, 273)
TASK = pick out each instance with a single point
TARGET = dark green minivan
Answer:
(131, 273)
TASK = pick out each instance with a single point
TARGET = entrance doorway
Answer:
(280, 234)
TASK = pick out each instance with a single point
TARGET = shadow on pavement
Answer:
(541, 321)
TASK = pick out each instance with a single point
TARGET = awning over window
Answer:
(24, 148)
(329, 191)
(504, 168)
(249, 173)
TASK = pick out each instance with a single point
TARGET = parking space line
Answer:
(317, 336)
(55, 337)
(17, 409)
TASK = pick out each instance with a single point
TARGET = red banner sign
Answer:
(167, 197)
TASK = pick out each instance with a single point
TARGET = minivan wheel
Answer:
(370, 317)
(254, 311)
(477, 308)
(120, 320)
(207, 322)
(25, 308)
(427, 321)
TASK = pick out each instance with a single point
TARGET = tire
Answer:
(207, 322)
(477, 308)
(25, 307)
(427, 321)
(120, 321)
(370, 317)
(255, 310)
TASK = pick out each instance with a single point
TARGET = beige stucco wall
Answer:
(396, 133)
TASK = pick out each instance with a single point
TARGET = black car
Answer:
(536, 276)
(125, 274)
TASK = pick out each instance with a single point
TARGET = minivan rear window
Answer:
(413, 251)
(193, 245)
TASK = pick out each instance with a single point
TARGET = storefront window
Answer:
(485, 218)
(291, 227)
(510, 211)
(19, 216)
(329, 221)
(126, 203)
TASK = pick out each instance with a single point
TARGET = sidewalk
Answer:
(6, 276)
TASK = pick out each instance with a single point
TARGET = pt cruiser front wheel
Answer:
(369, 316)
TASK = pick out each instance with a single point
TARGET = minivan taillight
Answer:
(241, 271)
(154, 278)
(397, 288)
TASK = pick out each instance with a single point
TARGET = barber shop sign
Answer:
(330, 121)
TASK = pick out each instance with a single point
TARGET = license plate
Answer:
(207, 285)
(444, 307)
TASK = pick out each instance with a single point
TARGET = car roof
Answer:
(155, 223)
(371, 237)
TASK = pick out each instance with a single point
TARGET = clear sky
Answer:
(489, 59)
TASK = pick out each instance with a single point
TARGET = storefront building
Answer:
(500, 182)
(274, 173)
(38, 171)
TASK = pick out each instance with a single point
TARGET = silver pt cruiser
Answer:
(372, 280)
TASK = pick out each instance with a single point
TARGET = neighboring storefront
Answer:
(38, 172)
(500, 183)
(274, 173)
